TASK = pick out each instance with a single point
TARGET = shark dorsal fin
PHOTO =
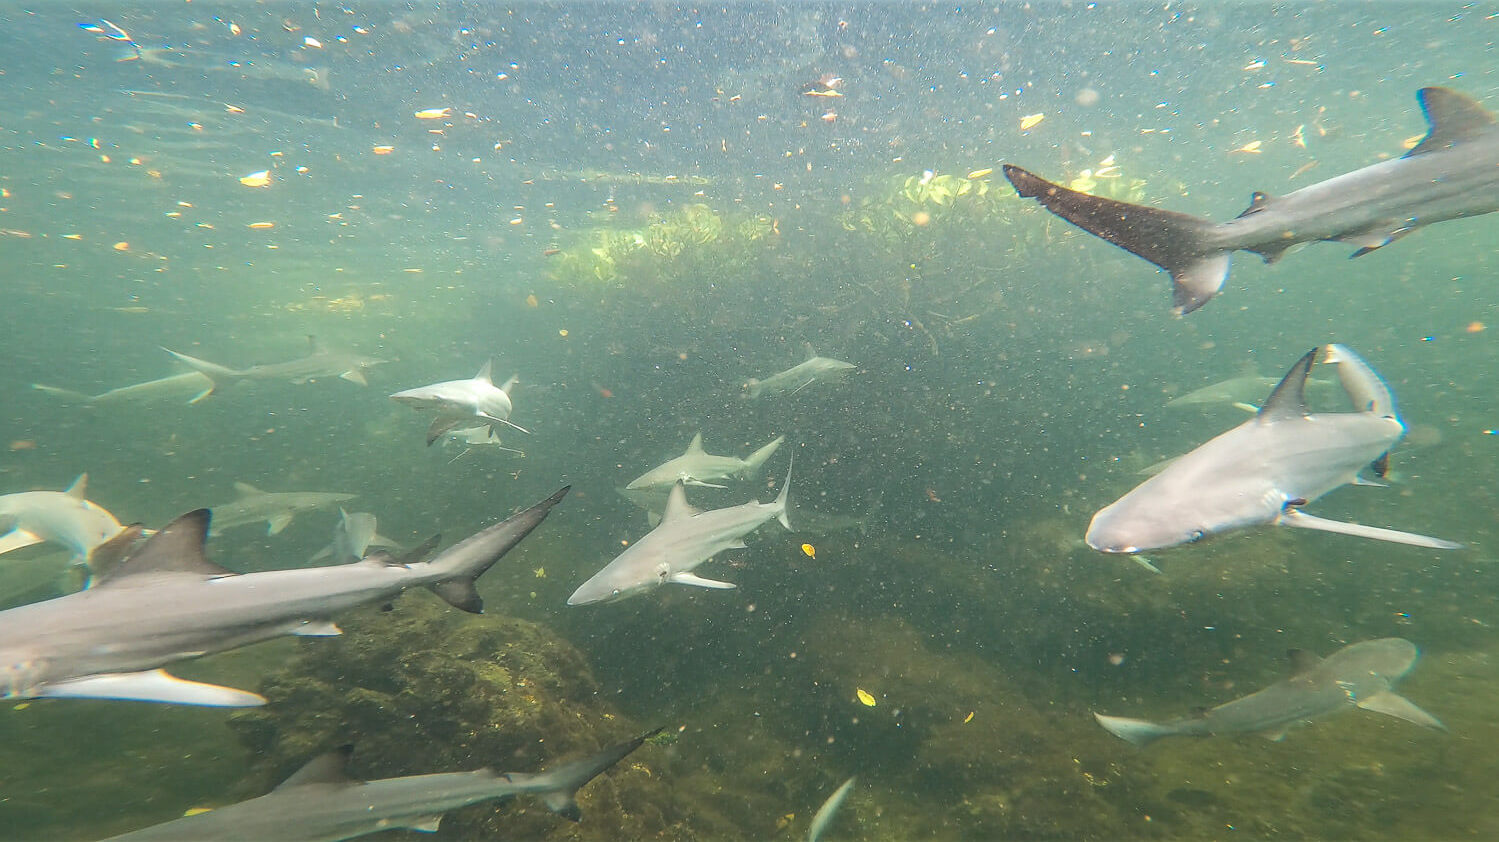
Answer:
(1452, 117)
(677, 506)
(487, 372)
(329, 768)
(811, 351)
(244, 489)
(1302, 661)
(79, 488)
(178, 548)
(1258, 202)
(103, 558)
(1288, 400)
(696, 445)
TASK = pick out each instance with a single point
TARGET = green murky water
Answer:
(637, 209)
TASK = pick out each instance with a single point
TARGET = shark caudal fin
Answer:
(1137, 731)
(558, 786)
(217, 374)
(756, 460)
(784, 497)
(1177, 242)
(455, 570)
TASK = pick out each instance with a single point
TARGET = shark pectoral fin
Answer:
(1195, 284)
(688, 578)
(354, 375)
(563, 804)
(1390, 703)
(425, 824)
(1293, 517)
(317, 628)
(150, 686)
(1361, 480)
(1373, 239)
(699, 483)
(277, 522)
(16, 539)
(203, 394)
(441, 425)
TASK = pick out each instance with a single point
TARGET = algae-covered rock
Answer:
(423, 688)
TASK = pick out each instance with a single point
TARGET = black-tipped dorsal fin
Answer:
(1288, 400)
(1302, 661)
(330, 768)
(1452, 117)
(1258, 202)
(178, 548)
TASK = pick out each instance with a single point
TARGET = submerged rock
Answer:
(426, 689)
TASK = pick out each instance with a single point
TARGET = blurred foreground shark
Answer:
(1362, 675)
(696, 466)
(66, 518)
(321, 803)
(276, 508)
(684, 539)
(319, 362)
(165, 601)
(1452, 173)
(462, 404)
(1264, 470)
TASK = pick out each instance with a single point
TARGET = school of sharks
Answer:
(123, 603)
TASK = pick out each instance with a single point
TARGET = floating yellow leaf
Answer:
(262, 225)
(864, 698)
(1030, 121)
(257, 179)
(981, 173)
(969, 718)
(122, 246)
(384, 150)
(433, 113)
(809, 550)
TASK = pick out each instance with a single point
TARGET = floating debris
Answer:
(809, 551)
(257, 179)
(1030, 121)
(865, 698)
(434, 113)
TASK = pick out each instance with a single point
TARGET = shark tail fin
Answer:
(455, 570)
(1137, 731)
(1180, 243)
(217, 374)
(756, 460)
(558, 786)
(785, 496)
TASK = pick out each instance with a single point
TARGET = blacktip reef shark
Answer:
(165, 602)
(319, 362)
(696, 467)
(1264, 470)
(799, 376)
(684, 539)
(1452, 173)
(322, 803)
(193, 385)
(1362, 675)
(462, 404)
(66, 518)
(276, 508)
